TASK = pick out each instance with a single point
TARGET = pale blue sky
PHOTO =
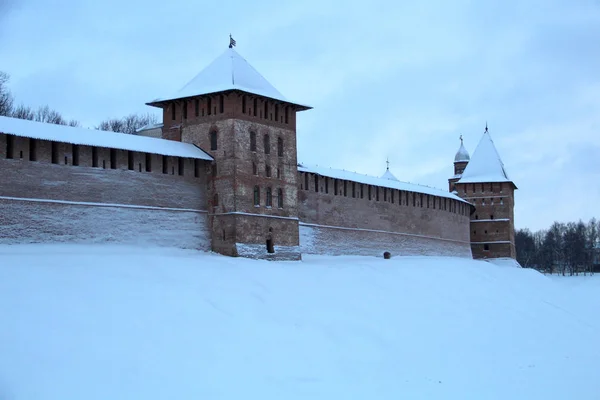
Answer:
(386, 79)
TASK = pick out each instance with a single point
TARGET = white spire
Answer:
(485, 165)
(388, 175)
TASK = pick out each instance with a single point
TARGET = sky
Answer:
(387, 79)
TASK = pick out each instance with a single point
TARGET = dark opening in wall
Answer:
(173, 111)
(280, 198)
(476, 216)
(392, 195)
(377, 193)
(269, 198)
(362, 191)
(316, 183)
(370, 192)
(421, 200)
(216, 200)
(196, 168)
(165, 165)
(335, 187)
(252, 141)
(280, 147)
(172, 170)
(75, 151)
(287, 114)
(213, 140)
(185, 107)
(267, 144)
(266, 109)
(104, 164)
(486, 247)
(345, 188)
(387, 255)
(113, 159)
(326, 185)
(33, 150)
(414, 196)
(95, 157)
(54, 151)
(197, 107)
(208, 106)
(10, 146)
(306, 181)
(148, 162)
(268, 171)
(278, 173)
(21, 154)
(255, 106)
(140, 167)
(130, 160)
(244, 104)
(221, 104)
(277, 112)
(492, 216)
(66, 159)
(384, 194)
(256, 196)
(254, 169)
(353, 189)
(270, 247)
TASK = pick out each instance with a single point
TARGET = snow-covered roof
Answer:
(485, 164)
(229, 71)
(462, 155)
(148, 127)
(388, 175)
(92, 137)
(375, 181)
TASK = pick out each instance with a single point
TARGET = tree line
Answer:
(128, 124)
(565, 248)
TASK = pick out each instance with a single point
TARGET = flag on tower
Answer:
(231, 42)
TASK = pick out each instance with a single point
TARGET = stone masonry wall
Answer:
(343, 224)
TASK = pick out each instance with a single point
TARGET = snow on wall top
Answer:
(375, 181)
(389, 176)
(485, 164)
(229, 71)
(92, 137)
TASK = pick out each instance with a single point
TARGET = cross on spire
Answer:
(232, 42)
(461, 140)
(486, 129)
(387, 161)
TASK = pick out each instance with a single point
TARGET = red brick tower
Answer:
(482, 180)
(230, 111)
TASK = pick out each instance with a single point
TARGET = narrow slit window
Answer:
(252, 141)
(345, 188)
(316, 183)
(32, 150)
(197, 107)
(113, 159)
(266, 109)
(287, 114)
(208, 106)
(256, 196)
(148, 162)
(255, 106)
(196, 168)
(165, 164)
(221, 104)
(267, 144)
(95, 157)
(213, 140)
(185, 104)
(54, 149)
(335, 187)
(326, 185)
(173, 111)
(279, 198)
(244, 104)
(269, 198)
(10, 146)
(280, 147)
(277, 112)
(130, 161)
(75, 151)
(353, 189)
(305, 181)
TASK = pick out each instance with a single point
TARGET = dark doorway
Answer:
(270, 247)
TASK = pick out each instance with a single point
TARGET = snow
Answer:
(462, 154)
(485, 164)
(123, 322)
(229, 71)
(92, 137)
(388, 175)
(374, 181)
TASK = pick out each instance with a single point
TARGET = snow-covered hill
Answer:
(111, 322)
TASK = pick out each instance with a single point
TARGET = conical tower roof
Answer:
(229, 71)
(485, 164)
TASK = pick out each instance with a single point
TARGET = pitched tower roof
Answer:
(229, 71)
(485, 164)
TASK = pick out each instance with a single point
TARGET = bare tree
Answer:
(129, 124)
(42, 114)
(6, 98)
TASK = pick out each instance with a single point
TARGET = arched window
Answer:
(213, 140)
(252, 141)
(267, 144)
(256, 196)
(269, 198)
(280, 147)
(280, 198)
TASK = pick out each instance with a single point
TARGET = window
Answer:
(305, 181)
(492, 216)
(335, 187)
(196, 168)
(213, 140)
(54, 150)
(181, 165)
(392, 195)
(95, 157)
(287, 114)
(32, 150)
(148, 162)
(130, 161)
(173, 111)
(369, 192)
(10, 146)
(113, 159)
(208, 106)
(269, 198)
(362, 192)
(254, 169)
(486, 247)
(317, 183)
(216, 200)
(268, 171)
(279, 198)
(476, 216)
(221, 104)
(252, 141)
(278, 173)
(377, 193)
(384, 194)
(266, 109)
(267, 144)
(345, 188)
(280, 147)
(414, 196)
(326, 185)
(244, 104)
(421, 200)
(277, 112)
(165, 165)
(185, 109)
(197, 107)
(255, 106)
(75, 154)
(256, 196)
(354, 189)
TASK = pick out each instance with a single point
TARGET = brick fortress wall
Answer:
(401, 222)
(57, 192)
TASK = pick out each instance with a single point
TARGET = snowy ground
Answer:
(117, 322)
